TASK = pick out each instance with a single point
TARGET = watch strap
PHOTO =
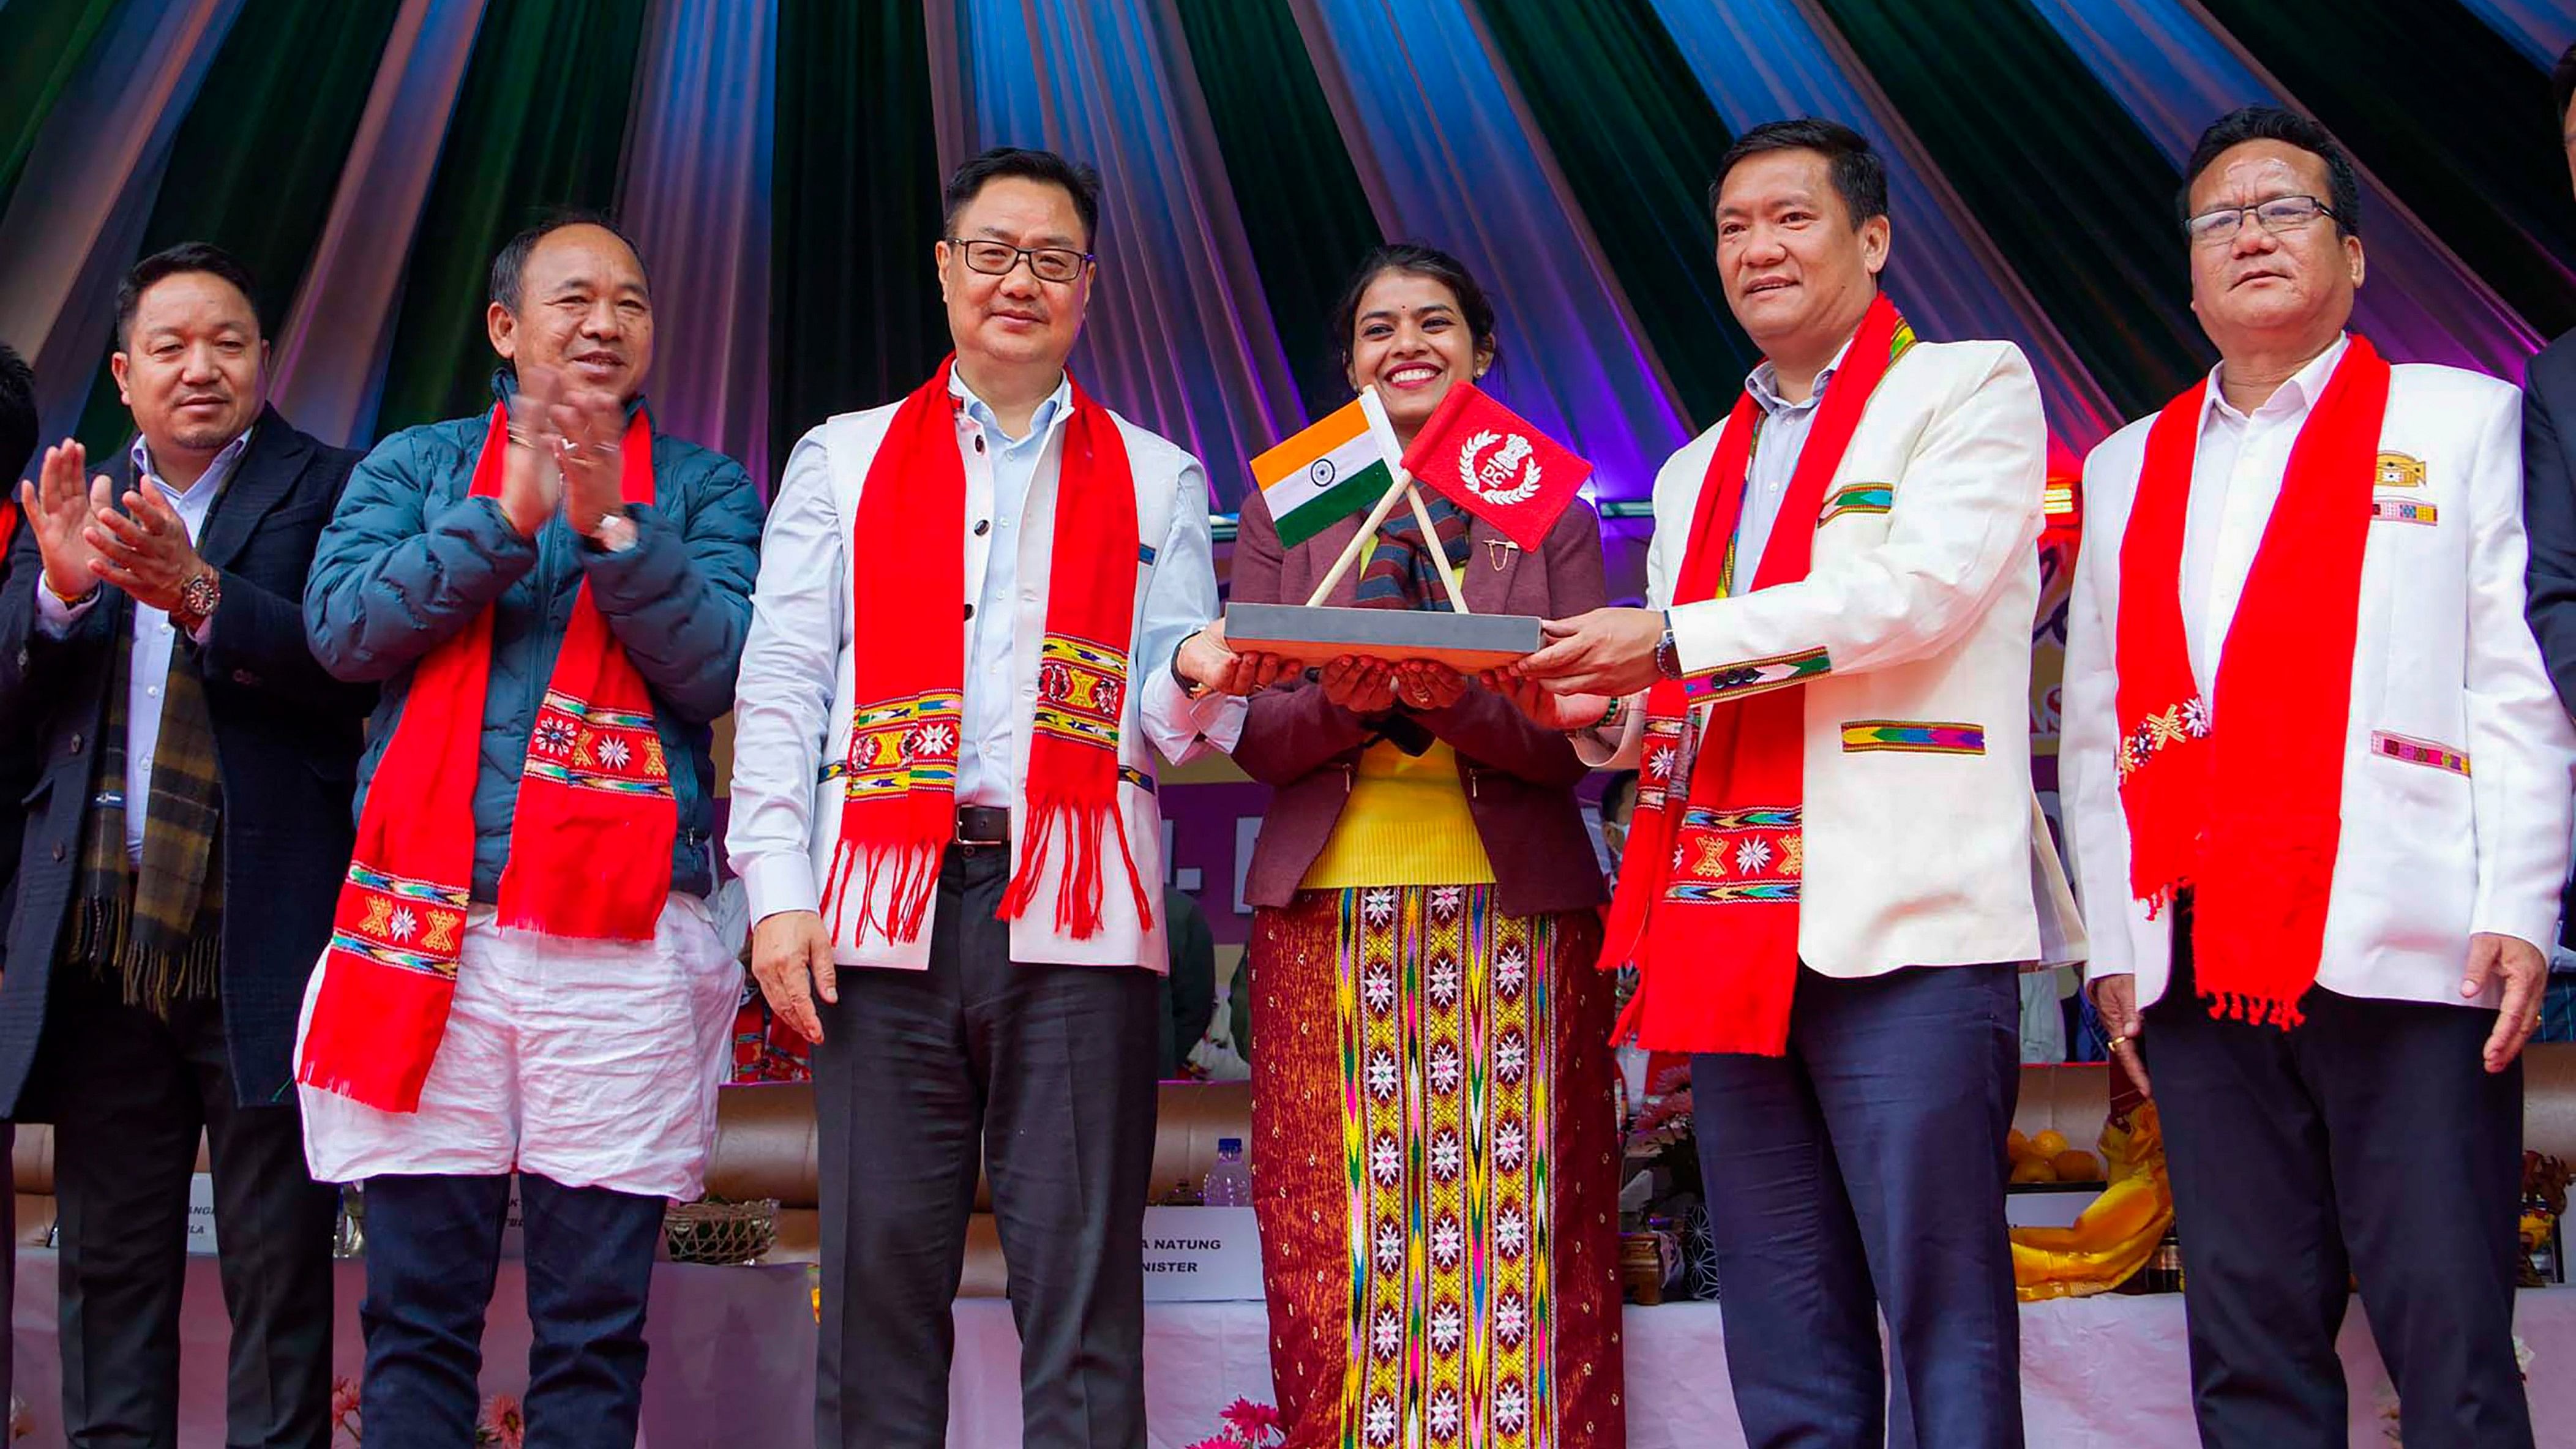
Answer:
(1190, 688)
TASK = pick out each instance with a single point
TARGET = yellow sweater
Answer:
(1406, 823)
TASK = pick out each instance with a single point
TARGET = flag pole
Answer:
(1387, 449)
(1431, 544)
(1368, 530)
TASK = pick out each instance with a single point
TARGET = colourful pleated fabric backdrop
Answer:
(779, 161)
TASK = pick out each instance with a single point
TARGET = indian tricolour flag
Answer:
(1335, 468)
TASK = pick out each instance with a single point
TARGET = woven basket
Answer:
(724, 1233)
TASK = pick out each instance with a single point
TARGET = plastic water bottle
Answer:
(1229, 1183)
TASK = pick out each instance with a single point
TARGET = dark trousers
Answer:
(131, 1094)
(8, 1257)
(433, 1251)
(1045, 1074)
(2369, 1143)
(1861, 1173)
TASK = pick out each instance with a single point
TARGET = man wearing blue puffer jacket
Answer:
(523, 973)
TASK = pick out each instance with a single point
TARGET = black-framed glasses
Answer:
(997, 258)
(2279, 215)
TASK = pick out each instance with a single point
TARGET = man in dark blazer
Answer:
(182, 851)
(2549, 469)
(17, 767)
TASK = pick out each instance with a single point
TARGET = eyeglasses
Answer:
(997, 258)
(2278, 215)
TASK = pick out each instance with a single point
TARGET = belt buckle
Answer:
(971, 842)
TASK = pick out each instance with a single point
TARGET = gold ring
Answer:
(2120, 1042)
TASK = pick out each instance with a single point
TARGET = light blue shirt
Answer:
(986, 756)
(153, 636)
(1783, 437)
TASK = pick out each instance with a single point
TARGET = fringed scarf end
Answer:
(1078, 826)
(915, 882)
(2255, 1010)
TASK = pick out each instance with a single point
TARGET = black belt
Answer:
(983, 825)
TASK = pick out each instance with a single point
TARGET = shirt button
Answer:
(154, 691)
(983, 526)
(979, 442)
(970, 611)
(59, 852)
(76, 743)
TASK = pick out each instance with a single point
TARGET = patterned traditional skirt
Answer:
(1434, 1161)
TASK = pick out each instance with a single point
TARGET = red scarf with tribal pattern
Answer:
(899, 804)
(590, 836)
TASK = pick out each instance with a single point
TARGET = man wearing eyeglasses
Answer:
(2317, 793)
(976, 606)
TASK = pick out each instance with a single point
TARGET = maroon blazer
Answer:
(1519, 778)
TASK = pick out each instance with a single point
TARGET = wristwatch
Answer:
(197, 600)
(615, 533)
(1190, 688)
(1668, 655)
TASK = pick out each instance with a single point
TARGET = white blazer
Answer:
(786, 818)
(1918, 610)
(2457, 754)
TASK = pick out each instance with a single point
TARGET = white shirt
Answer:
(2235, 479)
(801, 623)
(1776, 446)
(153, 636)
(996, 495)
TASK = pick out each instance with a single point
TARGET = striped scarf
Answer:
(155, 934)
(1398, 573)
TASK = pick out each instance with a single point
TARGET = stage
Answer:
(733, 1365)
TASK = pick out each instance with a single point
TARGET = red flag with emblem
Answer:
(1489, 460)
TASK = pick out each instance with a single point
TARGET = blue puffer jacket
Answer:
(408, 560)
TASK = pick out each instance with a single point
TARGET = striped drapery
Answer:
(779, 162)
(695, 197)
(77, 213)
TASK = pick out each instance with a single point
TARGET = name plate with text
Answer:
(1202, 1255)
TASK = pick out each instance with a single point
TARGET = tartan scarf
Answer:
(590, 834)
(1707, 903)
(1398, 574)
(899, 805)
(2248, 816)
(156, 934)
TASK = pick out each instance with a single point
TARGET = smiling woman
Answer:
(1426, 886)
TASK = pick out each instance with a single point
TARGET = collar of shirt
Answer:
(2291, 399)
(140, 455)
(1764, 383)
(1058, 403)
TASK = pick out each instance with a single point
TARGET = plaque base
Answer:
(1468, 643)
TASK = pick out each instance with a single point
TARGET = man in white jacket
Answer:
(2317, 791)
(1828, 884)
(948, 833)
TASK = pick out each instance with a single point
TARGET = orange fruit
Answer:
(2049, 1143)
(2032, 1169)
(2076, 1165)
(2016, 1146)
